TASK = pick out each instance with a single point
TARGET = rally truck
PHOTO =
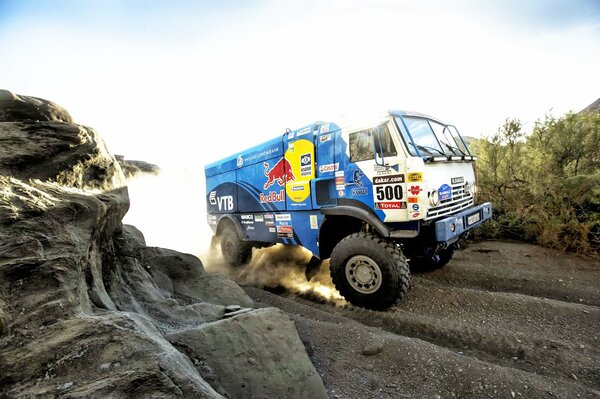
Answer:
(373, 198)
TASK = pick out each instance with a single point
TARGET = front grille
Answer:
(460, 200)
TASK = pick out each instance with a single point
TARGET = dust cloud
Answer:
(279, 266)
(170, 209)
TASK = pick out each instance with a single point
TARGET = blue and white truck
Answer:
(371, 197)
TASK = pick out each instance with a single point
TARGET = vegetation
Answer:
(545, 186)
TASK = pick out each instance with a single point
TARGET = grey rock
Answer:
(257, 354)
(373, 348)
(132, 168)
(24, 108)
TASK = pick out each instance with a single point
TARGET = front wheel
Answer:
(369, 271)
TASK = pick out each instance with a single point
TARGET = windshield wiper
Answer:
(451, 147)
(428, 149)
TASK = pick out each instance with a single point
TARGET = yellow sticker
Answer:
(302, 160)
(414, 177)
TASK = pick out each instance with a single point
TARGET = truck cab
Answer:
(379, 199)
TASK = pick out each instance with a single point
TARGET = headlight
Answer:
(473, 190)
(434, 198)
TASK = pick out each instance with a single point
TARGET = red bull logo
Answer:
(281, 172)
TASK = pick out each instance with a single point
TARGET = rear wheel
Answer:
(236, 252)
(369, 271)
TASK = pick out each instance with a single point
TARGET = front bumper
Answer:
(450, 229)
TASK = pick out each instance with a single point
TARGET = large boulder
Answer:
(234, 350)
(85, 306)
(15, 108)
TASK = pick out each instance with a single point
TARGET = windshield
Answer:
(431, 138)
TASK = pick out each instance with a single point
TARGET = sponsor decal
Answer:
(285, 231)
(225, 202)
(272, 197)
(212, 219)
(457, 180)
(445, 192)
(413, 200)
(387, 190)
(416, 215)
(415, 207)
(314, 224)
(341, 193)
(357, 178)
(414, 177)
(298, 188)
(269, 219)
(306, 164)
(330, 167)
(281, 172)
(325, 128)
(388, 179)
(385, 170)
(212, 198)
(272, 230)
(415, 190)
(239, 161)
(324, 138)
(339, 181)
(248, 221)
(258, 218)
(283, 217)
(256, 155)
(303, 131)
(390, 205)
(357, 192)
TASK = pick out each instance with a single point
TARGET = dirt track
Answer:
(501, 320)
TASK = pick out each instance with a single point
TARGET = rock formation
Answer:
(88, 310)
(133, 168)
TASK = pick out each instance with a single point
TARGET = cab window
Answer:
(363, 142)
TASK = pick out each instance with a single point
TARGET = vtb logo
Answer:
(224, 202)
(281, 172)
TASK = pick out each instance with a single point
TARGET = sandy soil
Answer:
(502, 320)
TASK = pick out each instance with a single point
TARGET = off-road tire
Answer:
(422, 264)
(395, 273)
(236, 252)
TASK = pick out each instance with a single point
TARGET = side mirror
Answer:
(377, 147)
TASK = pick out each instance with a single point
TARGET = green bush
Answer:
(545, 185)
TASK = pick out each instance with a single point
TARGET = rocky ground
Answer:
(501, 320)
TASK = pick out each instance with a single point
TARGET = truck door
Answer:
(373, 175)
(300, 156)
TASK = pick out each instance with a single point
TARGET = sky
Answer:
(184, 83)
(189, 82)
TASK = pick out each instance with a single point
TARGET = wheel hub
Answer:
(363, 274)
